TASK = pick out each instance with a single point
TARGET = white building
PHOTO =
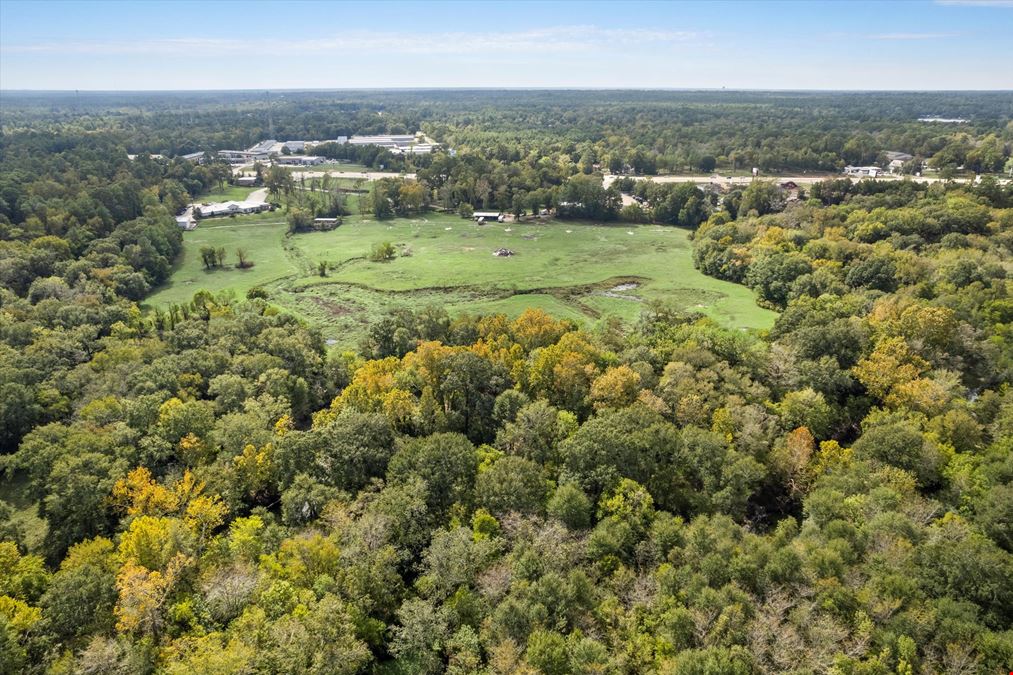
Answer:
(863, 171)
(299, 160)
(384, 140)
(264, 147)
(398, 144)
(340, 140)
(230, 156)
(230, 208)
(243, 156)
(892, 155)
(487, 216)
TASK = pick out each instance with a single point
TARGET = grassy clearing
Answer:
(262, 236)
(14, 491)
(580, 271)
(331, 166)
(231, 193)
(351, 183)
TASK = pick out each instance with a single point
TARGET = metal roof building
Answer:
(230, 208)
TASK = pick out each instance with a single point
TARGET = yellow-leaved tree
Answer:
(615, 388)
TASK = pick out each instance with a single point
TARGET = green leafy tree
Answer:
(512, 484)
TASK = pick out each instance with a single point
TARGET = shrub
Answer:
(382, 252)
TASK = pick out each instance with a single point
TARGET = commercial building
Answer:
(384, 141)
(340, 140)
(943, 120)
(243, 156)
(299, 160)
(264, 147)
(398, 144)
(420, 149)
(230, 209)
(863, 171)
(893, 155)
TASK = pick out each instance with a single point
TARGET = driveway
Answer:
(258, 196)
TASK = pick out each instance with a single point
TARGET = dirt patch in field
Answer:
(574, 295)
(621, 291)
(332, 307)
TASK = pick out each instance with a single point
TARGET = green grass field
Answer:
(571, 270)
(332, 166)
(231, 193)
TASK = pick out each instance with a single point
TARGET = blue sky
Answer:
(944, 44)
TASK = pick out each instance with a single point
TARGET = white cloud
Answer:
(976, 3)
(553, 39)
(911, 36)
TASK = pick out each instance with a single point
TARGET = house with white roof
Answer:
(230, 208)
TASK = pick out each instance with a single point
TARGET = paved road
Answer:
(745, 180)
(365, 175)
(191, 222)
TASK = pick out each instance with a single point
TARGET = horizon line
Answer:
(504, 88)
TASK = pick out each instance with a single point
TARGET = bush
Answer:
(382, 252)
(634, 213)
(300, 220)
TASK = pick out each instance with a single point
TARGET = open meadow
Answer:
(343, 167)
(231, 193)
(578, 271)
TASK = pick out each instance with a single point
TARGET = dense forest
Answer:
(212, 490)
(646, 131)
